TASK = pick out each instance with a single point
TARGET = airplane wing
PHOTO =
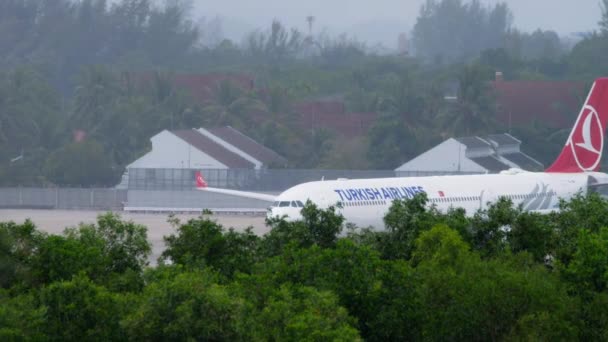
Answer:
(201, 184)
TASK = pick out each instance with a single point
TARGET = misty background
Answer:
(327, 86)
(383, 20)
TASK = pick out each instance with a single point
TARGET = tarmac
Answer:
(55, 221)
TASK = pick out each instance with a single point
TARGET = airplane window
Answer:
(300, 204)
(284, 204)
(275, 204)
(294, 204)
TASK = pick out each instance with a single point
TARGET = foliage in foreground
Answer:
(502, 274)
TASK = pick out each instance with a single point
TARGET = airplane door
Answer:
(485, 197)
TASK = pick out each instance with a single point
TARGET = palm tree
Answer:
(474, 110)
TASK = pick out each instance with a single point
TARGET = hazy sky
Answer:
(377, 19)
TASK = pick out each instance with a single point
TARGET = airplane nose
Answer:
(290, 215)
(274, 212)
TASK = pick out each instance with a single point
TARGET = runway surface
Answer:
(55, 221)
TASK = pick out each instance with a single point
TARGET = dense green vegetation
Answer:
(503, 274)
(75, 68)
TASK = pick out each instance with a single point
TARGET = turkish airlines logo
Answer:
(200, 181)
(587, 140)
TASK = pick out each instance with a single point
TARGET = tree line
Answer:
(502, 274)
(68, 68)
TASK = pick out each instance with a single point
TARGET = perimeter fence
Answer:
(63, 198)
(174, 189)
(265, 180)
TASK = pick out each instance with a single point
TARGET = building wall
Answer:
(171, 152)
(448, 156)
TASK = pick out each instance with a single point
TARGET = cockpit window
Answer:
(275, 204)
(300, 204)
(294, 204)
(284, 204)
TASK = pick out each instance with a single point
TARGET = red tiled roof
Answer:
(554, 103)
(201, 87)
(248, 145)
(332, 115)
(213, 149)
(347, 124)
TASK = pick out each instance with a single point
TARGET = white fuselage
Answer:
(365, 202)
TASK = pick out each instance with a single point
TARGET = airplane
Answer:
(365, 202)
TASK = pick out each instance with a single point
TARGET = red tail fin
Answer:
(200, 181)
(584, 147)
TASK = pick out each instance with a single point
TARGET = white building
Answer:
(223, 152)
(217, 148)
(489, 154)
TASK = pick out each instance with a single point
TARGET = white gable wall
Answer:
(258, 164)
(449, 156)
(171, 152)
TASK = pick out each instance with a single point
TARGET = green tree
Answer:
(390, 141)
(404, 222)
(537, 45)
(456, 31)
(19, 243)
(588, 270)
(80, 164)
(78, 309)
(461, 296)
(586, 60)
(474, 111)
(533, 233)
(203, 243)
(318, 226)
(111, 252)
(296, 313)
(581, 212)
(489, 227)
(349, 270)
(441, 246)
(29, 117)
(125, 243)
(232, 106)
(187, 306)
(395, 313)
(20, 318)
(60, 258)
(275, 45)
